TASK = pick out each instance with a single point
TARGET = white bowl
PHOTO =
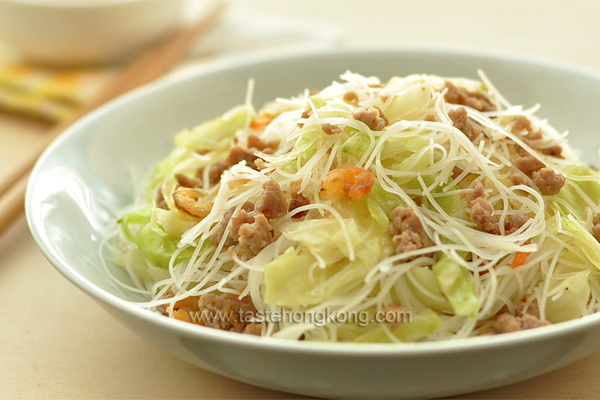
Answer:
(85, 176)
(85, 31)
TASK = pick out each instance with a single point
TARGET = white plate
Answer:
(86, 175)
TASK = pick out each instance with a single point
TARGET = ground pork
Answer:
(186, 181)
(461, 121)
(272, 203)
(222, 227)
(372, 116)
(226, 312)
(479, 210)
(534, 135)
(456, 171)
(506, 322)
(250, 226)
(515, 221)
(254, 142)
(236, 155)
(461, 96)
(242, 217)
(525, 316)
(478, 191)
(520, 179)
(554, 151)
(215, 172)
(298, 199)
(255, 236)
(527, 164)
(305, 114)
(529, 321)
(596, 227)
(548, 181)
(407, 241)
(407, 231)
(522, 124)
(331, 129)
(520, 150)
(296, 202)
(481, 213)
(528, 308)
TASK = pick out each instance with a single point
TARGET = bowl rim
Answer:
(552, 332)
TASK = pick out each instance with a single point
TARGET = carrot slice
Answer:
(260, 123)
(181, 315)
(188, 302)
(520, 258)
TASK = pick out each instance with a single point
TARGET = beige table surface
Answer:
(56, 343)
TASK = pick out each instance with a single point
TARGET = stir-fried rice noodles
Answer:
(424, 208)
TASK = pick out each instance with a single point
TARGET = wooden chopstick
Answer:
(151, 64)
(12, 203)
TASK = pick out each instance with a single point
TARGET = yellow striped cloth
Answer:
(50, 94)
